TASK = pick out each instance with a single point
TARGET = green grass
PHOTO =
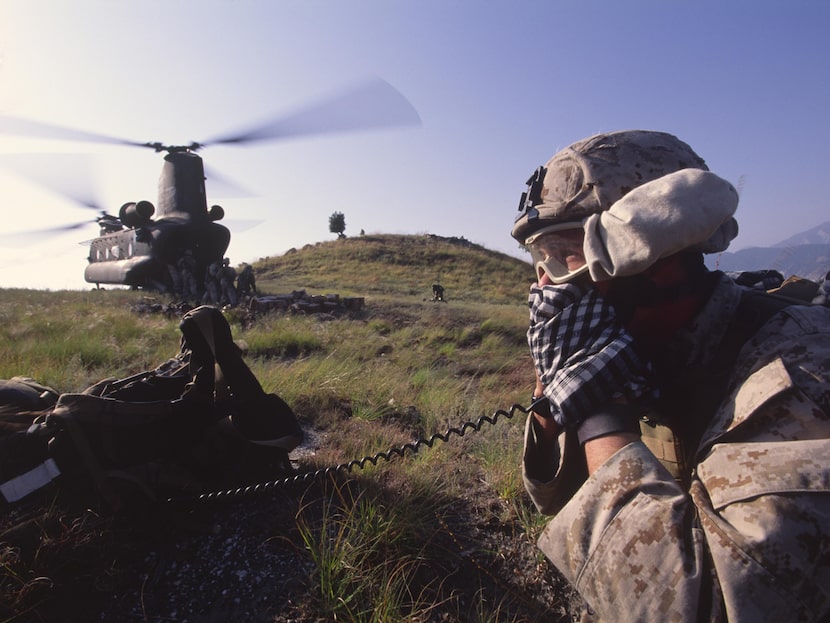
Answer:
(71, 339)
(366, 554)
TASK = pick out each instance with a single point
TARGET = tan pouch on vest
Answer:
(666, 446)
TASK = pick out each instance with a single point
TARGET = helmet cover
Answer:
(677, 204)
(590, 175)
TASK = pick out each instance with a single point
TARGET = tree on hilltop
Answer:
(337, 224)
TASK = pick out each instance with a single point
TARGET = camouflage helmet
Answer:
(630, 198)
(590, 175)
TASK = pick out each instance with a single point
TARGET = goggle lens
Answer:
(558, 252)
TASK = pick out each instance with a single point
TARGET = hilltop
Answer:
(406, 266)
(399, 266)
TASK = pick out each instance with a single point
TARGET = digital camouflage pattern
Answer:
(749, 539)
(590, 175)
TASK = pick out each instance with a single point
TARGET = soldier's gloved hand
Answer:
(583, 355)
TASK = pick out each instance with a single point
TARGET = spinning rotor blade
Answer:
(374, 104)
(221, 186)
(24, 238)
(38, 129)
(69, 175)
(240, 225)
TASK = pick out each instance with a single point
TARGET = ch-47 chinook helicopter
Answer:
(140, 245)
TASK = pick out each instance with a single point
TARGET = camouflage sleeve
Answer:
(539, 470)
(628, 541)
(552, 479)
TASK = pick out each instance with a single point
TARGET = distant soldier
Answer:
(246, 281)
(175, 279)
(227, 284)
(211, 295)
(437, 292)
(187, 274)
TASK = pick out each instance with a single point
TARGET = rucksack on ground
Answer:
(198, 421)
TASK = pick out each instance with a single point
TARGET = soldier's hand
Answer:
(583, 355)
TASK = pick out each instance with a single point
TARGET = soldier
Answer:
(187, 273)
(246, 281)
(175, 279)
(227, 283)
(679, 433)
(211, 295)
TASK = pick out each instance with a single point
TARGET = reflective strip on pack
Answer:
(20, 486)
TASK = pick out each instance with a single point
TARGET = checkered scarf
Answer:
(583, 355)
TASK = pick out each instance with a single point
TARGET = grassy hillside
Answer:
(404, 266)
(446, 534)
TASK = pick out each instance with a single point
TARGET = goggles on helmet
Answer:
(557, 250)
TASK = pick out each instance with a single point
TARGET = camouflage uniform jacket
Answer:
(749, 539)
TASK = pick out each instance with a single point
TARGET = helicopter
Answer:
(145, 244)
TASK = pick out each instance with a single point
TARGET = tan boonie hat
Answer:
(585, 183)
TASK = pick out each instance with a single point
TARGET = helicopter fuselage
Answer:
(141, 257)
(139, 251)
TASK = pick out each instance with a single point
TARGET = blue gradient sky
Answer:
(499, 85)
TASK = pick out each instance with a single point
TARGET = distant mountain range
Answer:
(806, 254)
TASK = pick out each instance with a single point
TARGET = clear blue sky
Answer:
(499, 85)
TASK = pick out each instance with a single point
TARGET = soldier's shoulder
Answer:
(808, 319)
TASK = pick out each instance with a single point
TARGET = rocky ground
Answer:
(230, 564)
